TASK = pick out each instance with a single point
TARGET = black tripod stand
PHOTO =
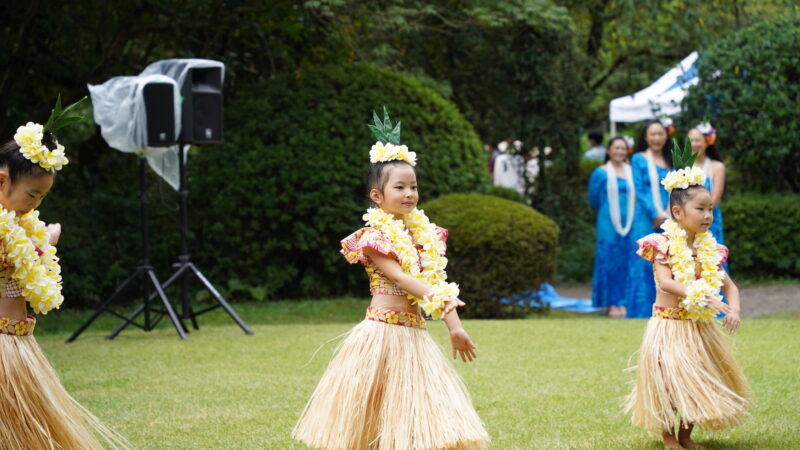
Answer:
(185, 267)
(146, 274)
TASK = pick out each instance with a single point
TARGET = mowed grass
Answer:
(555, 381)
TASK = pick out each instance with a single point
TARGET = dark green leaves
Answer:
(683, 157)
(60, 118)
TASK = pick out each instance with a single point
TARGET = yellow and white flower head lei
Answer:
(698, 290)
(427, 264)
(24, 239)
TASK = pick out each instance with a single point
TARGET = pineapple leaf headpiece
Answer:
(683, 157)
(383, 131)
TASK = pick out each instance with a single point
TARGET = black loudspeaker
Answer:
(160, 111)
(201, 121)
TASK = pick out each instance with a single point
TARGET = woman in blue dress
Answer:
(651, 161)
(702, 138)
(612, 195)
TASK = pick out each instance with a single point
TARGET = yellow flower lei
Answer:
(39, 275)
(430, 258)
(29, 138)
(683, 268)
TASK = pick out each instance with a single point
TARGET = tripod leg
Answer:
(186, 305)
(219, 299)
(103, 306)
(167, 305)
(127, 322)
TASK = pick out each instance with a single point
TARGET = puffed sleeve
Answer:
(654, 247)
(443, 234)
(724, 251)
(353, 246)
(597, 184)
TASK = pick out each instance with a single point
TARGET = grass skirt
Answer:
(686, 373)
(390, 387)
(36, 412)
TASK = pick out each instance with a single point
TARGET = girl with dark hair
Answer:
(612, 195)
(703, 137)
(389, 385)
(650, 163)
(35, 411)
(686, 375)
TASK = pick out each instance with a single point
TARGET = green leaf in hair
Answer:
(383, 130)
(60, 118)
(683, 158)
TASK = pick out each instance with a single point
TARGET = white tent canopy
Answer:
(662, 98)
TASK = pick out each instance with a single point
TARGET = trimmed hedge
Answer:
(496, 248)
(270, 205)
(761, 231)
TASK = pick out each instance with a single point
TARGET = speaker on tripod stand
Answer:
(155, 96)
(201, 123)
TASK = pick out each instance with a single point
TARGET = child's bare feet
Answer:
(684, 437)
(670, 441)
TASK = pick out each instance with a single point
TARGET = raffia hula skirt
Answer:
(389, 386)
(686, 373)
(36, 412)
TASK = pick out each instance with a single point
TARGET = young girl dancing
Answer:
(686, 374)
(35, 410)
(389, 386)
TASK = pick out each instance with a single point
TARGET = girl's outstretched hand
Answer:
(54, 231)
(719, 306)
(452, 305)
(462, 344)
(731, 321)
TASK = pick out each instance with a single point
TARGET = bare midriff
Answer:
(667, 300)
(13, 308)
(385, 302)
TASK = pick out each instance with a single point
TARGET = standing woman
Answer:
(651, 161)
(612, 194)
(702, 138)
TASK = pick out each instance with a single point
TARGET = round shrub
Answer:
(749, 90)
(761, 231)
(270, 205)
(496, 248)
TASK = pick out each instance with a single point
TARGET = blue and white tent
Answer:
(662, 98)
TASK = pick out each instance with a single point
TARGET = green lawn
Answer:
(543, 382)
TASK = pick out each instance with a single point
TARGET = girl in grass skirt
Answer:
(686, 374)
(389, 386)
(36, 412)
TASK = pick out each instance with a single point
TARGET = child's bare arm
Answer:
(732, 318)
(392, 270)
(666, 282)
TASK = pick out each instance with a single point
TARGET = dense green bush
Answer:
(761, 231)
(270, 205)
(496, 248)
(502, 192)
(749, 89)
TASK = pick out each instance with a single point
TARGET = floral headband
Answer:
(708, 131)
(29, 137)
(685, 174)
(388, 147)
(668, 125)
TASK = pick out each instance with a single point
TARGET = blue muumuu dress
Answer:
(612, 250)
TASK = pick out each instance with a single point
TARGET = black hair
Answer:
(641, 143)
(711, 151)
(595, 135)
(680, 196)
(18, 165)
(611, 141)
(377, 174)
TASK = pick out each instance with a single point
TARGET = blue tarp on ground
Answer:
(547, 296)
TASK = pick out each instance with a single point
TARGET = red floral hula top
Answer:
(353, 251)
(655, 248)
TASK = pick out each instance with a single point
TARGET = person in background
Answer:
(597, 151)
